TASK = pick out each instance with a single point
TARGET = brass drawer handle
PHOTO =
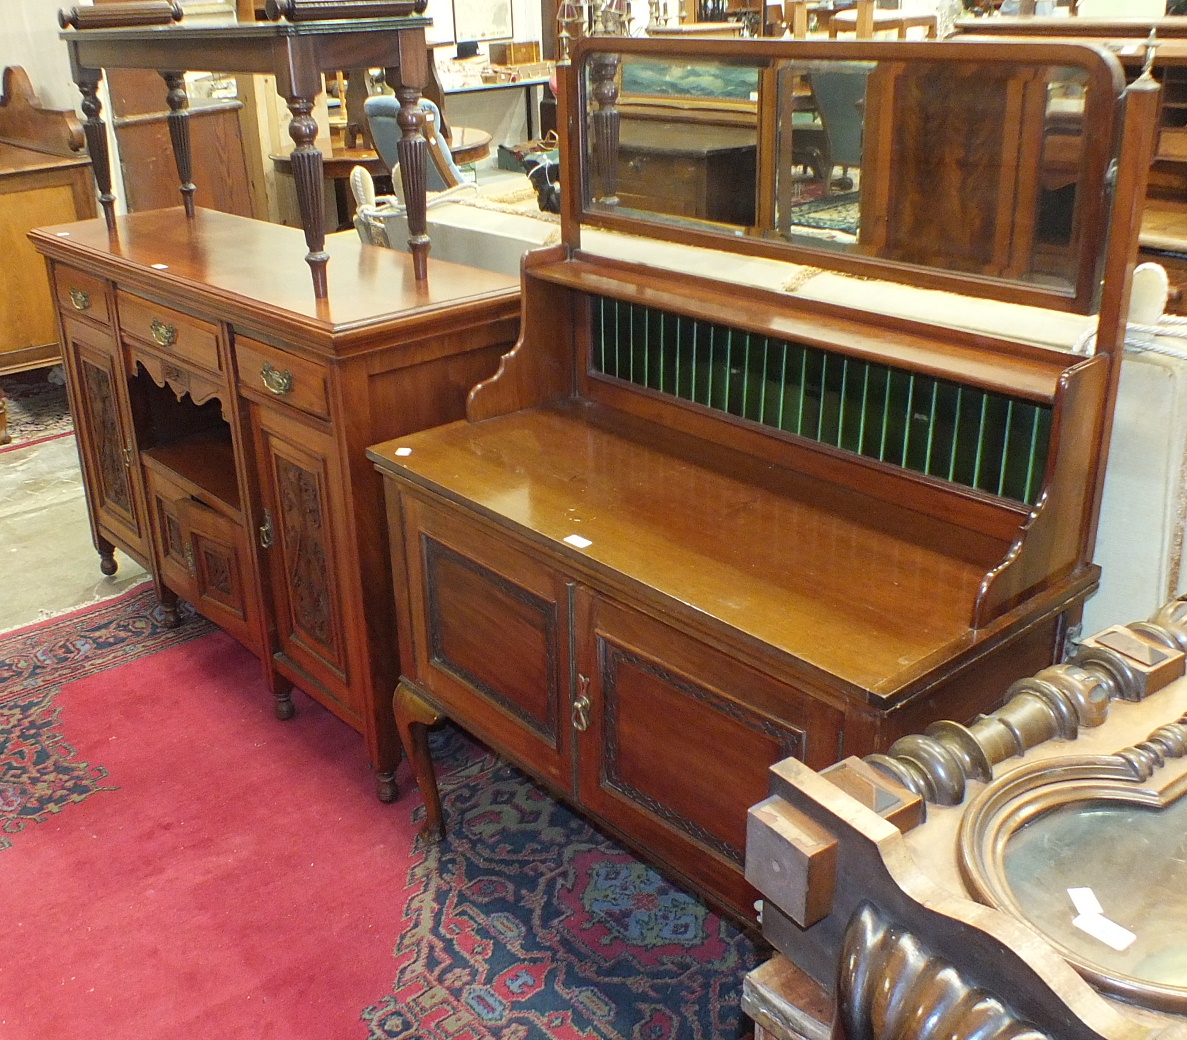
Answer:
(81, 299)
(276, 381)
(164, 333)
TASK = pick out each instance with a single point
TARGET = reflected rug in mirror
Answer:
(178, 860)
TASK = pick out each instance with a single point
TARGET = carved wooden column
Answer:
(179, 134)
(603, 70)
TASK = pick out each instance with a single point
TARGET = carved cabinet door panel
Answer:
(106, 438)
(490, 636)
(301, 496)
(203, 557)
(675, 739)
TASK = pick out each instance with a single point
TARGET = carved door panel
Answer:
(301, 496)
(678, 737)
(491, 637)
(107, 443)
(203, 557)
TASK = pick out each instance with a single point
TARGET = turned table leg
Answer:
(179, 134)
(413, 151)
(414, 716)
(307, 177)
(95, 132)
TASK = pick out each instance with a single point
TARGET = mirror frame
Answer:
(1102, 119)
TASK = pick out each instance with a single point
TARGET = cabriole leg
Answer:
(414, 716)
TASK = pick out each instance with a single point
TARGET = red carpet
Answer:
(174, 862)
(253, 890)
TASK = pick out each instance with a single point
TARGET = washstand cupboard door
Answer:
(203, 557)
(491, 637)
(676, 737)
(301, 496)
(106, 441)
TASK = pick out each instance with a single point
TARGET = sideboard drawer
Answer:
(81, 294)
(179, 334)
(283, 376)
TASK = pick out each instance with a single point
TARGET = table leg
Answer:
(95, 130)
(413, 151)
(179, 134)
(531, 122)
(307, 176)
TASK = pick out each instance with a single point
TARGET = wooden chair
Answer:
(864, 20)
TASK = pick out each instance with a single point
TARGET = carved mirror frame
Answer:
(1139, 776)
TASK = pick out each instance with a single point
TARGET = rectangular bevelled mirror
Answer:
(978, 168)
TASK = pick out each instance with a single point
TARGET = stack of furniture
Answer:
(44, 174)
(693, 526)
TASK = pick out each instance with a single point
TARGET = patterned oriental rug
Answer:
(176, 861)
(839, 212)
(37, 408)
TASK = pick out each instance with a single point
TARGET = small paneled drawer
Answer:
(179, 334)
(81, 294)
(277, 374)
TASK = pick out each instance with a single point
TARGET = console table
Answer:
(296, 54)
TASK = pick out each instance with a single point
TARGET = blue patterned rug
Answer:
(526, 923)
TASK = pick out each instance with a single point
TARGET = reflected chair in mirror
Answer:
(840, 102)
(382, 111)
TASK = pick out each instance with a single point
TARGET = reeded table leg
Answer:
(307, 177)
(96, 134)
(413, 151)
(179, 134)
(414, 716)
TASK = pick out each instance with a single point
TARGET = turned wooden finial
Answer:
(122, 15)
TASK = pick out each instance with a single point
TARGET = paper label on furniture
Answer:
(403, 451)
(1085, 901)
(1109, 932)
(579, 542)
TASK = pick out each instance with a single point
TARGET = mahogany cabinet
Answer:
(222, 415)
(695, 524)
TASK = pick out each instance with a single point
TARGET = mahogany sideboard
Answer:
(694, 526)
(222, 412)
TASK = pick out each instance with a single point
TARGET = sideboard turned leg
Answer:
(106, 552)
(282, 693)
(307, 178)
(179, 134)
(414, 716)
(168, 599)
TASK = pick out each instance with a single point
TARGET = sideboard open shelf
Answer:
(693, 526)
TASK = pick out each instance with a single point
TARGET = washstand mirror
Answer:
(977, 168)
